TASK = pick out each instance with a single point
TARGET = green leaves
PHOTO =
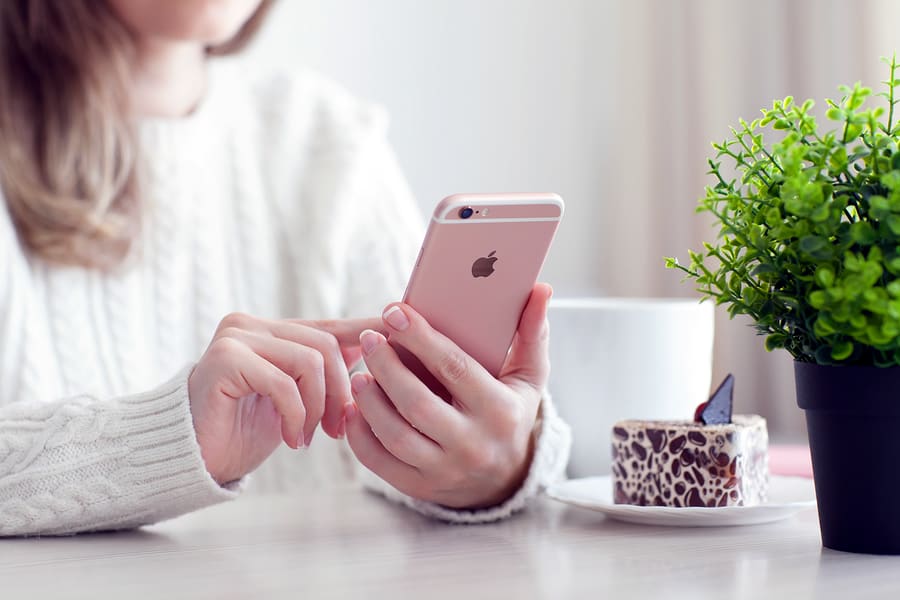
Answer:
(808, 238)
(814, 248)
(824, 276)
(842, 350)
(862, 233)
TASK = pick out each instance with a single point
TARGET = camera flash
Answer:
(485, 212)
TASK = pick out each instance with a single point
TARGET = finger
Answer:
(332, 338)
(337, 378)
(393, 431)
(463, 377)
(305, 365)
(529, 357)
(255, 374)
(312, 390)
(345, 331)
(375, 457)
(352, 356)
(419, 406)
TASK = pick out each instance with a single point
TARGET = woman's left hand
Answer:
(471, 452)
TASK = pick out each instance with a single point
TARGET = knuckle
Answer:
(224, 348)
(314, 363)
(331, 347)
(328, 340)
(509, 419)
(419, 412)
(229, 332)
(402, 443)
(453, 367)
(544, 335)
(236, 320)
(477, 457)
(285, 386)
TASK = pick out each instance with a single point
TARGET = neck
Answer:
(169, 79)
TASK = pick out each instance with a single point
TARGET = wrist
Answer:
(210, 460)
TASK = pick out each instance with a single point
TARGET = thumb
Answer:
(529, 360)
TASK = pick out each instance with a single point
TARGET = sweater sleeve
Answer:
(87, 464)
(388, 237)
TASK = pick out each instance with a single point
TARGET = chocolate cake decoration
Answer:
(717, 410)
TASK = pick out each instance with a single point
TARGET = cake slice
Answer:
(723, 462)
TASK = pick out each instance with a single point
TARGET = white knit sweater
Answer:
(280, 199)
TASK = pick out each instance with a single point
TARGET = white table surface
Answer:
(352, 544)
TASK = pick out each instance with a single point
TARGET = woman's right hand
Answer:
(262, 381)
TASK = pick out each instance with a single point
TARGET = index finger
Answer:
(459, 373)
(345, 331)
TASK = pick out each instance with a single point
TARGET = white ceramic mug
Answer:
(626, 358)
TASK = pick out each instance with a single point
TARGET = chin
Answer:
(209, 22)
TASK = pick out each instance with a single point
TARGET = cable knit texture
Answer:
(278, 197)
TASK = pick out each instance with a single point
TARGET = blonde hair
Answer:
(69, 156)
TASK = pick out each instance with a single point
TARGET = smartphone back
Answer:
(478, 264)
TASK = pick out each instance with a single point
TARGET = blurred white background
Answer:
(612, 103)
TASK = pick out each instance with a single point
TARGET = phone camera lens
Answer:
(465, 213)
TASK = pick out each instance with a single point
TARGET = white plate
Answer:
(787, 496)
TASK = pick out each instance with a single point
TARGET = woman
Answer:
(152, 202)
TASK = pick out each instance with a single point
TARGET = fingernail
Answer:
(358, 382)
(342, 428)
(396, 318)
(369, 339)
(301, 441)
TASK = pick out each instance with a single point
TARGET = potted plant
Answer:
(809, 248)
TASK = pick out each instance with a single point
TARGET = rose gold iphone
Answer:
(479, 261)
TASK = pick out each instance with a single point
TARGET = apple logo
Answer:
(484, 266)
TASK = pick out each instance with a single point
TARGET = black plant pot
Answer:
(853, 418)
